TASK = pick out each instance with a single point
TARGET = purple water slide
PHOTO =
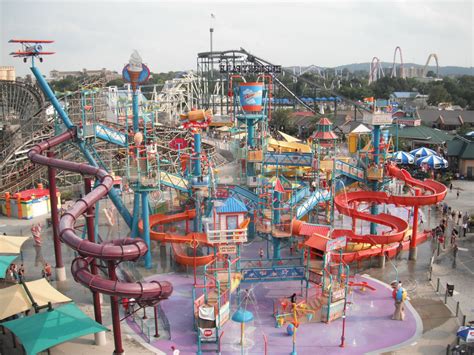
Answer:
(118, 250)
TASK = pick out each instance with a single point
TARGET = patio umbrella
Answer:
(466, 333)
(403, 158)
(422, 152)
(433, 161)
(470, 134)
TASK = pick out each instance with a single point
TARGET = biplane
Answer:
(30, 48)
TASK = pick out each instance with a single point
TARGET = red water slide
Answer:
(115, 251)
(179, 240)
(433, 192)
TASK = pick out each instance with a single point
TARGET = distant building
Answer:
(445, 119)
(109, 74)
(409, 98)
(461, 156)
(7, 73)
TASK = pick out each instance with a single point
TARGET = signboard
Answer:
(336, 243)
(377, 118)
(272, 274)
(224, 315)
(208, 334)
(225, 68)
(409, 122)
(227, 249)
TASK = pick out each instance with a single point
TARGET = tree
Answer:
(115, 82)
(438, 94)
(431, 74)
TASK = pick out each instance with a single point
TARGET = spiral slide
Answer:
(434, 192)
(113, 252)
(179, 241)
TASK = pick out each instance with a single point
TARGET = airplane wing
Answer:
(30, 41)
(30, 54)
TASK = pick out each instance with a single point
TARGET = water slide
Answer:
(179, 241)
(433, 192)
(114, 251)
(308, 204)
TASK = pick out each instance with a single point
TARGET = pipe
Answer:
(53, 199)
(91, 237)
(146, 227)
(117, 250)
(115, 312)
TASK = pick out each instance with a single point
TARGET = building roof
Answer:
(324, 122)
(232, 205)
(330, 135)
(461, 148)
(421, 133)
(449, 117)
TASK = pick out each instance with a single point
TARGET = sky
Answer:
(168, 35)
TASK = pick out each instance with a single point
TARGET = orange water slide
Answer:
(178, 240)
(433, 192)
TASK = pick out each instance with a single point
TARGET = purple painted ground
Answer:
(368, 328)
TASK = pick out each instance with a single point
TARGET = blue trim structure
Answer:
(110, 135)
(288, 159)
(272, 274)
(146, 227)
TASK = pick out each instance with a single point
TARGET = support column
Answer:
(53, 199)
(99, 338)
(136, 214)
(146, 228)
(413, 249)
(276, 221)
(115, 313)
(374, 208)
(135, 110)
(197, 155)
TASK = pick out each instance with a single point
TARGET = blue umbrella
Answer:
(422, 152)
(403, 158)
(466, 333)
(433, 161)
(242, 316)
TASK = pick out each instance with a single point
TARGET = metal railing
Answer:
(450, 301)
(227, 236)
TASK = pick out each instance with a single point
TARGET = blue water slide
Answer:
(316, 197)
(110, 135)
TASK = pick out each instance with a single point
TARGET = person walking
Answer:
(457, 195)
(460, 217)
(21, 273)
(450, 187)
(36, 232)
(47, 271)
(15, 273)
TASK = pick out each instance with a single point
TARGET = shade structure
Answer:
(470, 134)
(14, 299)
(47, 329)
(433, 161)
(289, 138)
(422, 152)
(466, 333)
(5, 261)
(403, 158)
(11, 244)
(223, 129)
(242, 316)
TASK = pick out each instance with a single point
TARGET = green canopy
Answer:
(5, 261)
(47, 329)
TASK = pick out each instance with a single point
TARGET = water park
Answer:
(212, 231)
